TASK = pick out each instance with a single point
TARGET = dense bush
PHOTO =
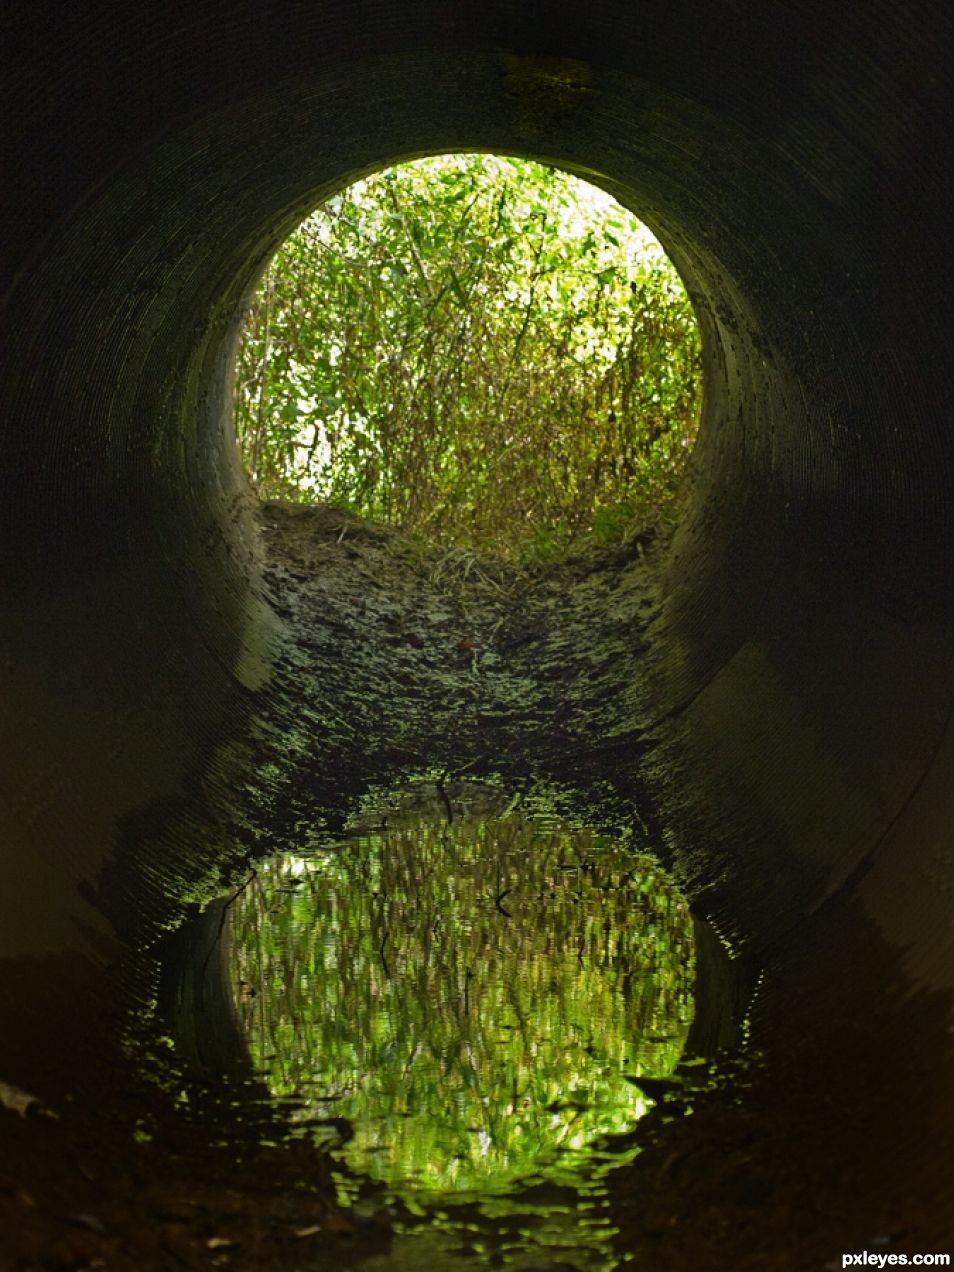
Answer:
(485, 351)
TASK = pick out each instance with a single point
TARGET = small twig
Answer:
(445, 797)
(411, 242)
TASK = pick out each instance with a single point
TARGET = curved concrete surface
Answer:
(796, 684)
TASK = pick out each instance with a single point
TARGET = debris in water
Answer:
(22, 1102)
(89, 1222)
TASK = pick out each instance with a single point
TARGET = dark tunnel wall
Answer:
(793, 159)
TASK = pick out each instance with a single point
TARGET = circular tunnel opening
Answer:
(489, 353)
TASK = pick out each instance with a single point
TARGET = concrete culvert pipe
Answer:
(785, 710)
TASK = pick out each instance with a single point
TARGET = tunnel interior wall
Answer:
(792, 159)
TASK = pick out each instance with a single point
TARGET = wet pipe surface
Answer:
(471, 1008)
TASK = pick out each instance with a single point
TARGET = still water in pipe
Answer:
(461, 1001)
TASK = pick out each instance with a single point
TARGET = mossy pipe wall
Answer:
(793, 159)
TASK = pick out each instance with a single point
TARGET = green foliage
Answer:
(487, 352)
(468, 997)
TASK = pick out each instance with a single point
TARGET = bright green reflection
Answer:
(469, 997)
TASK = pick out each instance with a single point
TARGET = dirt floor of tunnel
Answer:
(398, 661)
(403, 659)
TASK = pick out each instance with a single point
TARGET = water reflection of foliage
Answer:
(467, 997)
